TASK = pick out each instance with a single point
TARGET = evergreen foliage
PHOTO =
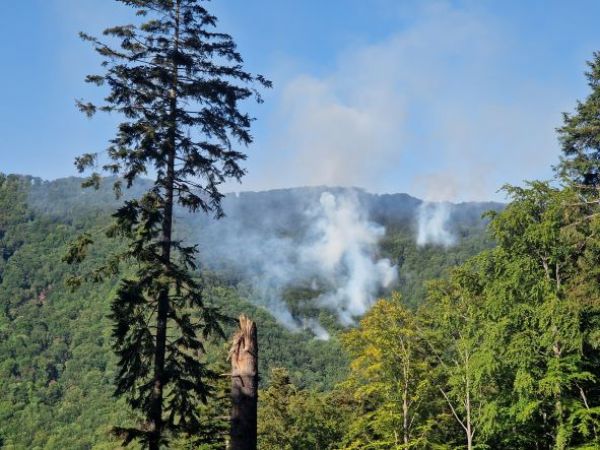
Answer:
(178, 85)
(57, 368)
(580, 134)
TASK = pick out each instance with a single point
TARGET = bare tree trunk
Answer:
(405, 408)
(469, 428)
(244, 386)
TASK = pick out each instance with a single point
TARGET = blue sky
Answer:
(446, 100)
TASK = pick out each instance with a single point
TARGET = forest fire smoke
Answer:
(334, 251)
(433, 224)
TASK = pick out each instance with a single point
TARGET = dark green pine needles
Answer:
(580, 135)
(178, 85)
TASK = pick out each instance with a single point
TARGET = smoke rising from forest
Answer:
(434, 224)
(434, 215)
(344, 246)
(329, 250)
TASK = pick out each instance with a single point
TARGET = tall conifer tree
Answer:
(178, 83)
(580, 135)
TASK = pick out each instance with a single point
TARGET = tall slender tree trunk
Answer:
(469, 427)
(155, 416)
(405, 420)
(244, 386)
(405, 409)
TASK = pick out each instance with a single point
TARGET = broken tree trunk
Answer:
(244, 386)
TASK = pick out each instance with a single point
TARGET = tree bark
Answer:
(244, 386)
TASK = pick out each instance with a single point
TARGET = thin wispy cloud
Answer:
(435, 109)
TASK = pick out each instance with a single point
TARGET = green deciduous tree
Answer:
(550, 345)
(453, 324)
(178, 85)
(535, 322)
(388, 379)
(293, 419)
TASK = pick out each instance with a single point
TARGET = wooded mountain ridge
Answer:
(57, 366)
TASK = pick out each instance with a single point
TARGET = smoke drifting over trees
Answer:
(329, 245)
(324, 241)
(434, 224)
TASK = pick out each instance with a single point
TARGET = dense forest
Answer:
(57, 364)
(498, 351)
(384, 321)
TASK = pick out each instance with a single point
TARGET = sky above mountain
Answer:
(446, 100)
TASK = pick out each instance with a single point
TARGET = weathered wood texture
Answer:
(244, 386)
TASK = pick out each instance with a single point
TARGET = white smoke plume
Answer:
(344, 251)
(332, 249)
(315, 328)
(433, 224)
(433, 215)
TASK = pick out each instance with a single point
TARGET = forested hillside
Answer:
(55, 345)
(478, 346)
(145, 306)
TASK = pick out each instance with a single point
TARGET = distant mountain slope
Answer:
(64, 196)
(260, 227)
(56, 365)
